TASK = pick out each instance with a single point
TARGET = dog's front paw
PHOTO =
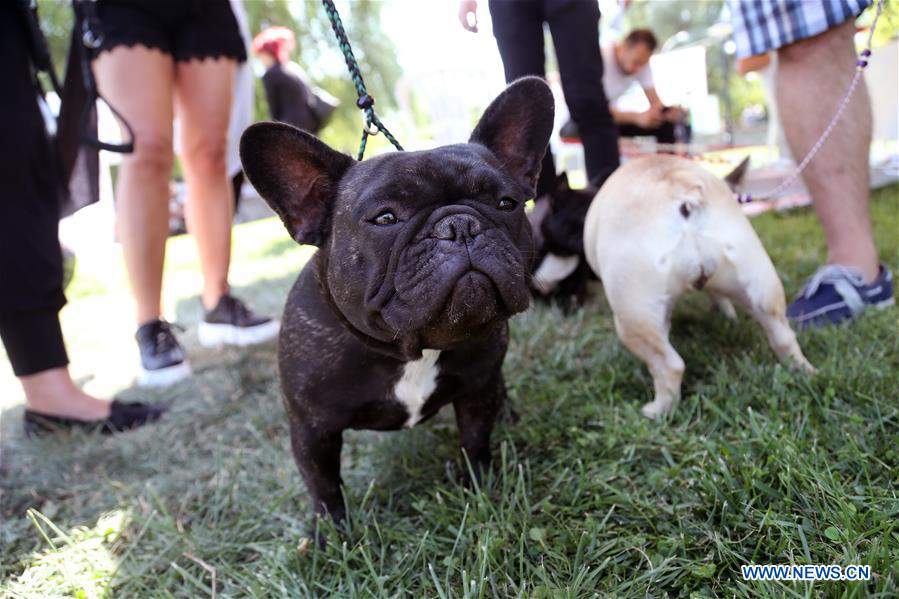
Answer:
(465, 473)
(323, 521)
(319, 535)
(654, 409)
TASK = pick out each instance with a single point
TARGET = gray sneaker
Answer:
(231, 322)
(162, 359)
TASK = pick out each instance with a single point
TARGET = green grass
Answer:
(587, 498)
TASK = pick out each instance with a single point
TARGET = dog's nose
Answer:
(458, 227)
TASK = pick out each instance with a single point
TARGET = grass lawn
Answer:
(758, 465)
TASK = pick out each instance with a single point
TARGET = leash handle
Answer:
(365, 101)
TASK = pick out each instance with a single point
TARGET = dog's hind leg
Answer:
(645, 332)
(756, 286)
(724, 305)
(781, 337)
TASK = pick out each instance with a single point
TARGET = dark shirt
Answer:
(288, 97)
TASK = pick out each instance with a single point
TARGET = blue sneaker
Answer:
(836, 293)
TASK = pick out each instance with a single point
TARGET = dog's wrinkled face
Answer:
(425, 249)
(431, 244)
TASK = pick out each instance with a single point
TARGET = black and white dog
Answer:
(423, 257)
(562, 274)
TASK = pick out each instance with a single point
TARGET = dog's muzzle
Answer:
(461, 228)
(457, 264)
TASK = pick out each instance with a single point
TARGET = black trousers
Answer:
(574, 25)
(30, 257)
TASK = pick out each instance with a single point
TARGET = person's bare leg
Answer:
(54, 393)
(203, 102)
(818, 71)
(139, 83)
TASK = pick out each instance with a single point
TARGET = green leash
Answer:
(373, 124)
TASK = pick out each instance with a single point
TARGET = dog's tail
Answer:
(689, 204)
(696, 255)
(685, 188)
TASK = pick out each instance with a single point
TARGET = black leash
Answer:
(365, 102)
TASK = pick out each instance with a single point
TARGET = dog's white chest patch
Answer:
(417, 383)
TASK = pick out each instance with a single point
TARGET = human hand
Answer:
(675, 114)
(469, 7)
(650, 119)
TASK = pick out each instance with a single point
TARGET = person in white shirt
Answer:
(626, 62)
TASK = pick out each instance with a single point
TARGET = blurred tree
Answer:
(317, 52)
(56, 23)
(887, 26)
(669, 18)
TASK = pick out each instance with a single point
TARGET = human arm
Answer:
(653, 98)
(672, 114)
(648, 119)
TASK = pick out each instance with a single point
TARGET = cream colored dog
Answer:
(660, 226)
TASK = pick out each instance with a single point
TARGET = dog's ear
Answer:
(734, 179)
(562, 182)
(516, 128)
(296, 174)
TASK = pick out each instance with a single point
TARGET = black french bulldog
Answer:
(423, 257)
(561, 270)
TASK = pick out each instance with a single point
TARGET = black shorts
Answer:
(184, 29)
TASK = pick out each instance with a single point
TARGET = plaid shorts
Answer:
(763, 25)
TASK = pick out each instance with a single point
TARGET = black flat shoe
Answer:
(123, 416)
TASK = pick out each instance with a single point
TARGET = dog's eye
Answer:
(385, 218)
(506, 204)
